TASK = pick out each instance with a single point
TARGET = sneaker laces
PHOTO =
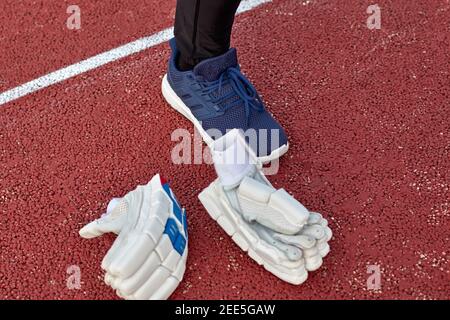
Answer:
(241, 86)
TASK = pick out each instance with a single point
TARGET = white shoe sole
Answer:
(215, 203)
(175, 102)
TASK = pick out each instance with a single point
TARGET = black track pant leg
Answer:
(203, 29)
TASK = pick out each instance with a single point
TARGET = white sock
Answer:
(233, 159)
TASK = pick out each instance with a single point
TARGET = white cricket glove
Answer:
(276, 230)
(148, 258)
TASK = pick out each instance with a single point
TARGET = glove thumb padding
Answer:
(112, 221)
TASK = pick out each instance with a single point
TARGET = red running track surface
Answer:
(368, 118)
(38, 40)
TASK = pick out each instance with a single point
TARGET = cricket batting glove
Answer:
(276, 230)
(148, 258)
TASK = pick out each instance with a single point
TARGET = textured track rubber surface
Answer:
(39, 40)
(366, 111)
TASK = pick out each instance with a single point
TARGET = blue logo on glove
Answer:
(176, 237)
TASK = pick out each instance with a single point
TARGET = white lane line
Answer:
(102, 59)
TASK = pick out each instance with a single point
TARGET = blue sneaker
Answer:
(216, 97)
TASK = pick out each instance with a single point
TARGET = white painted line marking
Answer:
(102, 59)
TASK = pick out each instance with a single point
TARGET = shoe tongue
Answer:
(211, 69)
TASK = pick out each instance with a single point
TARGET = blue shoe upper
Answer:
(222, 98)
